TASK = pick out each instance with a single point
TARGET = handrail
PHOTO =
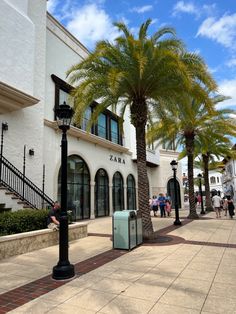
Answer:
(22, 187)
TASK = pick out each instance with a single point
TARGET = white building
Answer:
(215, 180)
(36, 51)
(229, 178)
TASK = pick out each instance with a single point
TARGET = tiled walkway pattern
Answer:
(195, 275)
(19, 296)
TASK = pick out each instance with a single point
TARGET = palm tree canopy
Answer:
(208, 125)
(139, 73)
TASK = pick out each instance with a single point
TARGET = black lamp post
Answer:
(174, 165)
(4, 128)
(63, 269)
(200, 191)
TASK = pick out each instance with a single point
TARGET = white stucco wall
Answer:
(23, 42)
(163, 173)
(20, 5)
(218, 181)
(17, 51)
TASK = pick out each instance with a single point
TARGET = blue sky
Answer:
(207, 27)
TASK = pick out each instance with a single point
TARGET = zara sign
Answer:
(117, 159)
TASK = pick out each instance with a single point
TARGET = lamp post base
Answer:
(62, 272)
(177, 223)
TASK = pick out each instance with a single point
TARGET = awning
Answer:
(12, 99)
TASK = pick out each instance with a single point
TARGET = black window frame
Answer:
(131, 191)
(62, 85)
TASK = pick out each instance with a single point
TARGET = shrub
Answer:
(22, 221)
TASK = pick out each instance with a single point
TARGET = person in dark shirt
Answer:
(230, 206)
(53, 217)
(162, 204)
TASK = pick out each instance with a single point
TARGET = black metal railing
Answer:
(22, 187)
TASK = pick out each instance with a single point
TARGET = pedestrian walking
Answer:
(168, 207)
(162, 204)
(225, 205)
(199, 199)
(155, 205)
(150, 204)
(216, 201)
(230, 206)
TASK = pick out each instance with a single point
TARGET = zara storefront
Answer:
(102, 172)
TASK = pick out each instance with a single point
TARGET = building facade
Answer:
(102, 171)
(229, 178)
(215, 180)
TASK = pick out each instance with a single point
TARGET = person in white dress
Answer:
(216, 202)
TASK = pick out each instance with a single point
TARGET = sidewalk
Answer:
(190, 269)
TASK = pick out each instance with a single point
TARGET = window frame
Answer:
(62, 85)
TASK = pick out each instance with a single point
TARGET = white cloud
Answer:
(231, 63)
(184, 7)
(90, 24)
(142, 9)
(61, 10)
(222, 30)
(51, 6)
(228, 88)
(214, 69)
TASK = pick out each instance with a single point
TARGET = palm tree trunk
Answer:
(205, 158)
(189, 140)
(138, 119)
(143, 186)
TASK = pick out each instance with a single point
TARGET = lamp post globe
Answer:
(174, 165)
(200, 190)
(63, 269)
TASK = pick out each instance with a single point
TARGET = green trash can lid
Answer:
(124, 214)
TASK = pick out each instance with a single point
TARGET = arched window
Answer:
(101, 194)
(131, 193)
(78, 187)
(213, 180)
(118, 192)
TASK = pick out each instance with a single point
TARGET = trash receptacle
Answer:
(124, 229)
(139, 227)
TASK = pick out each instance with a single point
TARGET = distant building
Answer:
(215, 181)
(229, 178)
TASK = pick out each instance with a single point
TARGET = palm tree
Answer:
(207, 161)
(213, 142)
(184, 122)
(134, 74)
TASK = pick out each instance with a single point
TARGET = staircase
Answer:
(3, 208)
(11, 200)
(18, 191)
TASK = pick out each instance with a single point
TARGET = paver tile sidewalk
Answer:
(196, 275)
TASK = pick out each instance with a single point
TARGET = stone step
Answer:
(27, 206)
(5, 209)
(21, 202)
(15, 198)
(9, 193)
